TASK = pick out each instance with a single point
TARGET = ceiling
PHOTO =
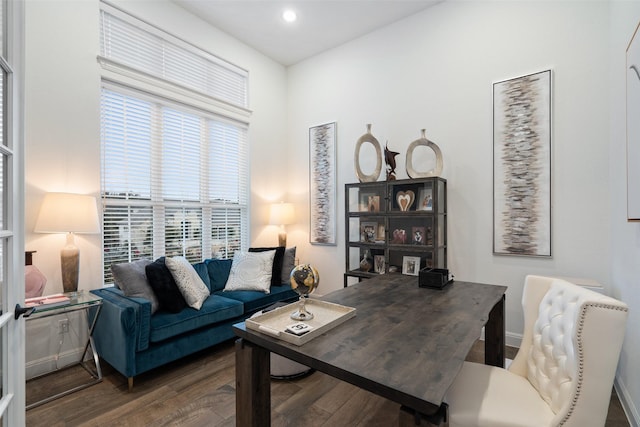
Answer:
(321, 24)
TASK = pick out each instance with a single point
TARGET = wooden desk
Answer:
(405, 343)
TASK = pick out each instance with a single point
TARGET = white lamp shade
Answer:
(68, 213)
(281, 214)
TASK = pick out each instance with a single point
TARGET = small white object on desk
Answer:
(298, 328)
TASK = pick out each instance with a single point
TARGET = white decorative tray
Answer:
(326, 315)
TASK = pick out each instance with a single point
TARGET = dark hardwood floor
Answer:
(199, 390)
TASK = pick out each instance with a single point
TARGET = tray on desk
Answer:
(326, 315)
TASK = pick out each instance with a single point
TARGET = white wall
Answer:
(435, 70)
(62, 117)
(625, 236)
(61, 125)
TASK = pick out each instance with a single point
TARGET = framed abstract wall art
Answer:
(522, 165)
(322, 184)
(633, 128)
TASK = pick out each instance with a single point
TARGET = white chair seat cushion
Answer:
(486, 396)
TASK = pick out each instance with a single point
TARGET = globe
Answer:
(304, 279)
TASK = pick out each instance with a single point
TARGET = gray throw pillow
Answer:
(288, 262)
(132, 279)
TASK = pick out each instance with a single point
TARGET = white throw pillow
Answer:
(189, 282)
(251, 271)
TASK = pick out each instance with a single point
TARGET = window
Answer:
(133, 46)
(174, 174)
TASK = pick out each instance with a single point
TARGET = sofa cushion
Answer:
(219, 270)
(213, 310)
(164, 286)
(495, 397)
(203, 272)
(131, 277)
(257, 300)
(189, 282)
(276, 268)
(251, 271)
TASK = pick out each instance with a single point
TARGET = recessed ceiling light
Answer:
(289, 15)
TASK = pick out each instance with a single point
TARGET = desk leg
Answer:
(410, 418)
(494, 332)
(253, 385)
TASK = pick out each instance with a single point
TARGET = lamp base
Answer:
(282, 239)
(70, 265)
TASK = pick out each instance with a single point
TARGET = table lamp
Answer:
(68, 213)
(281, 214)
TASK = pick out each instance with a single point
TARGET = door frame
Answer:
(12, 402)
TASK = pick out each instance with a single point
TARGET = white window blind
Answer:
(174, 165)
(174, 180)
(137, 45)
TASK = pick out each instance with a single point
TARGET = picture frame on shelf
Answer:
(381, 232)
(418, 236)
(399, 237)
(368, 232)
(425, 199)
(369, 202)
(411, 265)
(363, 203)
(374, 203)
(379, 264)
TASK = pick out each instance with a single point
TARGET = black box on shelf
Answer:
(435, 278)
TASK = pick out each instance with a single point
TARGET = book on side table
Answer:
(47, 301)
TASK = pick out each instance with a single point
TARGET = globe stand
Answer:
(301, 313)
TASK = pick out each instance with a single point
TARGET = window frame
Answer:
(124, 80)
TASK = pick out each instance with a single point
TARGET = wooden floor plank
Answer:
(355, 409)
(199, 391)
(333, 401)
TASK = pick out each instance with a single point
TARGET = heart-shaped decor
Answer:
(405, 199)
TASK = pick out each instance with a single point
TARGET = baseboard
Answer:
(629, 408)
(511, 339)
(45, 365)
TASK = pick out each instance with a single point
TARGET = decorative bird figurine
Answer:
(390, 160)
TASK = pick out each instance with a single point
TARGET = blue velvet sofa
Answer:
(133, 341)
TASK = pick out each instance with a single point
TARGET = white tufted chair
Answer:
(564, 369)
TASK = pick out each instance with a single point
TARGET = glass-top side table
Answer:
(79, 301)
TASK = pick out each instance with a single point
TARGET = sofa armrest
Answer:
(122, 329)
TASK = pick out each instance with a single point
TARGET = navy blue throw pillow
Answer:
(164, 286)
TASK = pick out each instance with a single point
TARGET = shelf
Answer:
(409, 220)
